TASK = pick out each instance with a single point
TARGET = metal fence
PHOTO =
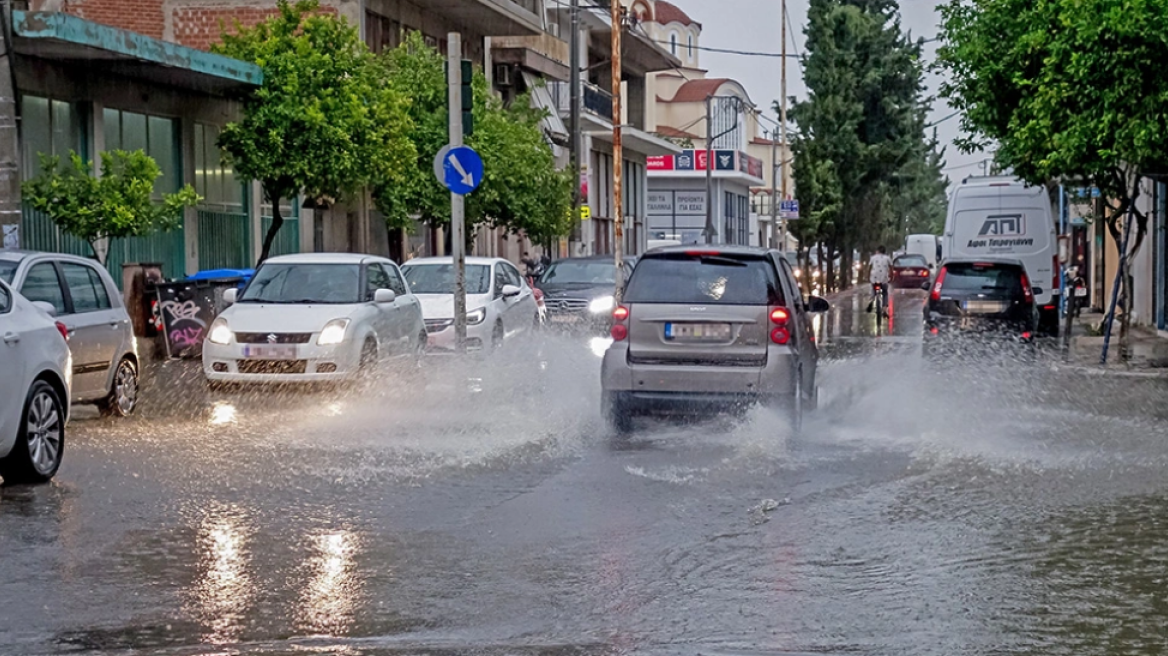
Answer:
(224, 240)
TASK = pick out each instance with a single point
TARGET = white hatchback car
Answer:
(34, 390)
(499, 302)
(85, 299)
(323, 317)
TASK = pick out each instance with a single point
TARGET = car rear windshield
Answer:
(439, 278)
(567, 272)
(911, 261)
(706, 278)
(8, 270)
(982, 277)
(304, 283)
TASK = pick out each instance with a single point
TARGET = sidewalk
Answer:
(1146, 352)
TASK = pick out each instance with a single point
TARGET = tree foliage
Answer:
(521, 191)
(1066, 89)
(324, 122)
(864, 170)
(119, 203)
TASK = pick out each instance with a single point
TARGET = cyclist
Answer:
(879, 273)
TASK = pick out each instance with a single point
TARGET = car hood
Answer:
(279, 318)
(555, 292)
(441, 306)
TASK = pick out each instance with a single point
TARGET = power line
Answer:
(725, 51)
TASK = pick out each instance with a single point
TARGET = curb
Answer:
(1101, 371)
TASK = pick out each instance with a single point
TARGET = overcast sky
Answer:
(753, 25)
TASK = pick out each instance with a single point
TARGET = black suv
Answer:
(578, 292)
(979, 303)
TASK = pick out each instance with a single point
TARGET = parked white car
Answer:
(85, 299)
(499, 302)
(324, 317)
(34, 390)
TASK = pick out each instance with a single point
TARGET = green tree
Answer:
(1066, 90)
(521, 191)
(119, 203)
(862, 160)
(324, 122)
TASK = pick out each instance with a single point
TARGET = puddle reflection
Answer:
(329, 600)
(225, 589)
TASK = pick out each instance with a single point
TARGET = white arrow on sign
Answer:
(467, 179)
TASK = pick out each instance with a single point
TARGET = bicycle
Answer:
(880, 301)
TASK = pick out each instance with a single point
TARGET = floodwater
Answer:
(927, 509)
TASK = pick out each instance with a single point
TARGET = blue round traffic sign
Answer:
(462, 170)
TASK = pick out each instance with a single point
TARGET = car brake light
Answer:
(1027, 292)
(63, 329)
(936, 294)
(934, 330)
(619, 332)
(1027, 335)
(620, 313)
(702, 253)
(780, 334)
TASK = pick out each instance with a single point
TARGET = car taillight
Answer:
(1027, 292)
(924, 273)
(1026, 336)
(63, 329)
(1054, 273)
(620, 331)
(780, 334)
(936, 294)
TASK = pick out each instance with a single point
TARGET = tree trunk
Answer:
(824, 271)
(277, 223)
(1120, 276)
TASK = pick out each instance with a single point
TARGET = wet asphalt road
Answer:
(927, 510)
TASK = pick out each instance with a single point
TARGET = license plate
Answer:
(697, 332)
(1081, 291)
(563, 318)
(983, 307)
(270, 352)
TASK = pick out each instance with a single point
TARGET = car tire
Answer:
(796, 405)
(616, 414)
(42, 427)
(368, 362)
(497, 336)
(123, 397)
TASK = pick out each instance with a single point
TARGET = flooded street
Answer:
(926, 510)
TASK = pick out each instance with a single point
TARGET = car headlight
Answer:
(602, 305)
(220, 333)
(798, 273)
(333, 332)
(476, 317)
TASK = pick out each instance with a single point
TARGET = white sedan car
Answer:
(324, 317)
(34, 390)
(499, 302)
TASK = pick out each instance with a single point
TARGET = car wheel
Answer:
(616, 414)
(796, 405)
(123, 396)
(497, 336)
(368, 360)
(40, 442)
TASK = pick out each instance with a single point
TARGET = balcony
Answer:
(596, 101)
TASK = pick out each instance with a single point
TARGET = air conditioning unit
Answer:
(503, 75)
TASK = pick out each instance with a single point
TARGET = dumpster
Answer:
(188, 307)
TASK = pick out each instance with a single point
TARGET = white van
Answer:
(927, 246)
(1003, 217)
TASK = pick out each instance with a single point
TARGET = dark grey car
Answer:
(578, 292)
(705, 328)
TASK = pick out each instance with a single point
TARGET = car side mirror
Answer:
(47, 308)
(230, 295)
(384, 296)
(511, 291)
(817, 304)
(925, 285)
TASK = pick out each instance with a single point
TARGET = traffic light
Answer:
(467, 96)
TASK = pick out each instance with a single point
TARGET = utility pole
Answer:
(710, 229)
(457, 209)
(783, 120)
(774, 192)
(617, 152)
(574, 123)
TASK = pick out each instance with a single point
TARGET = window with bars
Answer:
(381, 33)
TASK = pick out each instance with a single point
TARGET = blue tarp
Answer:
(223, 274)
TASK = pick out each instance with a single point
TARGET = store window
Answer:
(156, 135)
(215, 180)
(49, 127)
